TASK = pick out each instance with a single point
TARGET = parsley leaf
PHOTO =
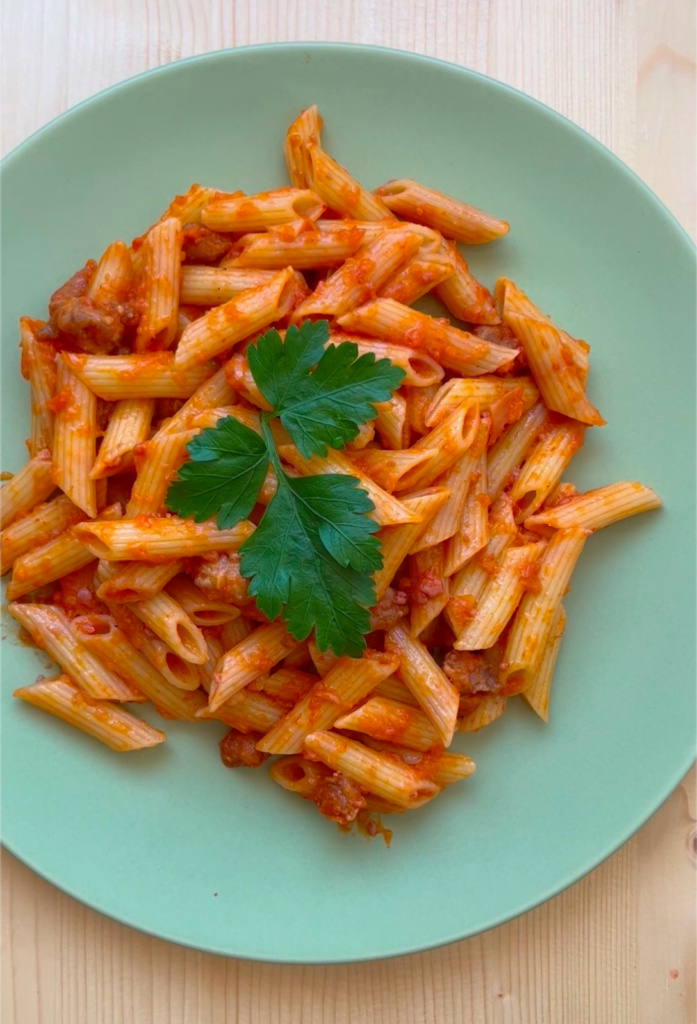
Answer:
(294, 574)
(227, 468)
(325, 408)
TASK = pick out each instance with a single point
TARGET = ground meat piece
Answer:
(338, 798)
(78, 320)
(391, 607)
(470, 673)
(74, 288)
(221, 577)
(238, 750)
(429, 585)
(201, 245)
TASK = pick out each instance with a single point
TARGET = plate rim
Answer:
(20, 151)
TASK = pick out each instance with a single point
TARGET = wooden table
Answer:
(618, 947)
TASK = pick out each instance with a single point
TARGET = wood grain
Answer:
(618, 947)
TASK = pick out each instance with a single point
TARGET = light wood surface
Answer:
(618, 947)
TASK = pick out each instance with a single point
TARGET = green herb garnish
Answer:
(311, 556)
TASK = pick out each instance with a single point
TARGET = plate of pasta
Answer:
(324, 481)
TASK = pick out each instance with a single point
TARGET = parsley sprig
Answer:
(311, 556)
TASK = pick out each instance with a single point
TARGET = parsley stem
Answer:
(270, 446)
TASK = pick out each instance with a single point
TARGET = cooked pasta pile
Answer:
(143, 350)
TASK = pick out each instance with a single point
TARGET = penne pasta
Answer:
(338, 189)
(544, 466)
(484, 390)
(437, 697)
(387, 510)
(537, 694)
(32, 484)
(151, 539)
(137, 581)
(456, 350)
(177, 672)
(157, 462)
(393, 688)
(363, 274)
(472, 533)
(344, 685)
(396, 541)
(532, 624)
(323, 661)
(214, 393)
(261, 211)
(487, 711)
(161, 263)
(147, 375)
(462, 294)
(168, 620)
(452, 218)
(428, 587)
(235, 631)
(113, 279)
(391, 422)
(420, 275)
(387, 468)
(251, 657)
(39, 368)
(224, 326)
(311, 249)
(106, 722)
(388, 720)
(451, 438)
(515, 575)
(50, 629)
(43, 524)
(385, 775)
(511, 448)
(211, 286)
(74, 440)
(201, 609)
(419, 370)
(247, 712)
(129, 426)
(303, 132)
(596, 509)
(418, 402)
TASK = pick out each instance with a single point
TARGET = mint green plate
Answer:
(169, 841)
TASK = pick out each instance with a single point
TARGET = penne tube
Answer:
(512, 447)
(532, 624)
(387, 510)
(324, 661)
(288, 684)
(419, 370)
(29, 486)
(112, 281)
(216, 649)
(457, 350)
(128, 426)
(362, 275)
(240, 379)
(396, 541)
(137, 581)
(420, 275)
(339, 190)
(224, 326)
(598, 508)
(391, 422)
(437, 764)
(161, 276)
(462, 295)
(450, 768)
(366, 433)
(247, 712)
(437, 697)
(311, 249)
(106, 722)
(344, 685)
(253, 656)
(37, 528)
(176, 671)
(114, 649)
(214, 393)
(304, 131)
(39, 368)
(487, 711)
(418, 402)
(552, 360)
(211, 286)
(484, 390)
(393, 688)
(387, 468)
(388, 720)
(168, 620)
(429, 587)
(383, 774)
(537, 694)
(261, 211)
(50, 629)
(153, 539)
(454, 219)
(202, 609)
(468, 585)
(187, 210)
(473, 530)
(515, 575)
(146, 375)
(74, 439)
(544, 465)
(451, 438)
(157, 462)
(235, 631)
(298, 775)
(450, 519)
(52, 560)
